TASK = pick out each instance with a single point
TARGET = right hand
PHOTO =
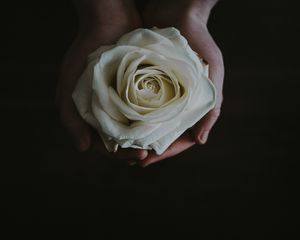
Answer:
(190, 17)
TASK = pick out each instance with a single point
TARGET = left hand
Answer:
(101, 22)
(190, 17)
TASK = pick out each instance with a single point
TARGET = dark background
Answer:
(241, 185)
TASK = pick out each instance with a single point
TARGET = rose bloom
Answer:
(144, 91)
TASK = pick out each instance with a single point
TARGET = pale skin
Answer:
(102, 22)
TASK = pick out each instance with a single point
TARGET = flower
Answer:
(144, 91)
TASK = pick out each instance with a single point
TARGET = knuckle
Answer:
(216, 112)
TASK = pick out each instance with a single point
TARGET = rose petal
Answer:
(143, 37)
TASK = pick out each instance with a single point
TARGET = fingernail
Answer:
(131, 163)
(143, 155)
(203, 137)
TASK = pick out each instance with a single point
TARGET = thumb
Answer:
(203, 127)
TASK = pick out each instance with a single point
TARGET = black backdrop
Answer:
(241, 185)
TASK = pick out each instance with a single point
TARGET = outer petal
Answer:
(82, 97)
(167, 41)
(142, 38)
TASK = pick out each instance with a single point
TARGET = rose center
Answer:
(149, 85)
(151, 88)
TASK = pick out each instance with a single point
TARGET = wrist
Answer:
(96, 14)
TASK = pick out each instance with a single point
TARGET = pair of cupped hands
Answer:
(103, 23)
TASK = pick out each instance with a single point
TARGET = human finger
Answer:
(181, 144)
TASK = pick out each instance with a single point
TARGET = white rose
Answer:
(144, 91)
